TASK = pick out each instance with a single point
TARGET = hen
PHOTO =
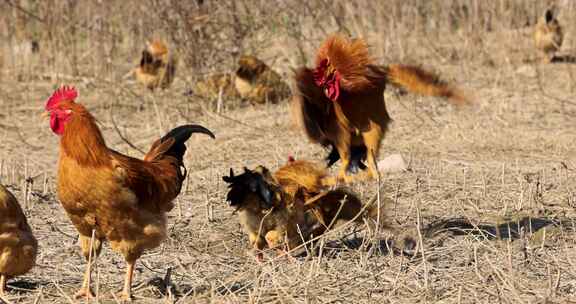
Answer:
(253, 81)
(18, 247)
(281, 211)
(548, 35)
(257, 83)
(115, 197)
(157, 66)
(340, 104)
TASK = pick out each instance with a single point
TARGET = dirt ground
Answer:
(506, 165)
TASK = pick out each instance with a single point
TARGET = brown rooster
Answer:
(340, 104)
(157, 66)
(282, 210)
(118, 198)
(257, 83)
(18, 247)
(548, 35)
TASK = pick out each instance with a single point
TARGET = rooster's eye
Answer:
(68, 111)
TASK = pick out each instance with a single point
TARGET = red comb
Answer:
(291, 159)
(61, 94)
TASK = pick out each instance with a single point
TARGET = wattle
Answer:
(330, 83)
(332, 87)
(56, 124)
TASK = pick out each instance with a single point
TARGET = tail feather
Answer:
(419, 81)
(173, 143)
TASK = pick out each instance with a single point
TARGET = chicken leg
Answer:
(91, 248)
(2, 284)
(372, 141)
(85, 291)
(126, 294)
(344, 151)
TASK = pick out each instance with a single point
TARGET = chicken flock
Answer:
(338, 104)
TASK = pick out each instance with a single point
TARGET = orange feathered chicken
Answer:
(115, 197)
(340, 103)
(157, 66)
(548, 34)
(18, 247)
(281, 210)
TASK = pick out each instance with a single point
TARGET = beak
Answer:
(45, 115)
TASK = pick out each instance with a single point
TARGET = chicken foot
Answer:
(90, 248)
(85, 291)
(2, 284)
(126, 294)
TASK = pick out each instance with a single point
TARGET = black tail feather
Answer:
(181, 134)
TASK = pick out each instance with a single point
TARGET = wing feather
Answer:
(311, 109)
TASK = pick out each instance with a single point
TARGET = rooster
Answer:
(340, 103)
(280, 211)
(111, 196)
(256, 82)
(18, 247)
(548, 35)
(157, 66)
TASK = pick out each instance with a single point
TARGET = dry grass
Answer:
(510, 157)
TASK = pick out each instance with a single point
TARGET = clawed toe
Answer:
(84, 293)
(125, 297)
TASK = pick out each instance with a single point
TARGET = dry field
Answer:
(500, 175)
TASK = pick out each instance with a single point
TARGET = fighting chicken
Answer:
(257, 83)
(340, 104)
(112, 196)
(157, 66)
(281, 211)
(548, 35)
(18, 247)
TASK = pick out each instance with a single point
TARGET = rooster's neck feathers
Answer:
(348, 60)
(83, 141)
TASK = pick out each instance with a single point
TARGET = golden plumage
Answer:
(283, 209)
(18, 246)
(157, 67)
(548, 35)
(257, 83)
(341, 104)
(214, 86)
(122, 200)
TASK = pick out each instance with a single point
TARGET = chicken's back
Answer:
(255, 81)
(215, 85)
(301, 175)
(18, 247)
